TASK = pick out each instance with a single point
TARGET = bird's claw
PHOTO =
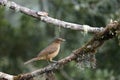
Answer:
(54, 61)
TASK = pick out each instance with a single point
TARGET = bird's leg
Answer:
(51, 60)
(54, 61)
(48, 61)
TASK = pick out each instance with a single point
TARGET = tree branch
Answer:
(4, 76)
(92, 45)
(44, 17)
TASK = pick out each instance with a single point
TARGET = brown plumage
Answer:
(49, 52)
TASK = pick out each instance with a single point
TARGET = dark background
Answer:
(22, 37)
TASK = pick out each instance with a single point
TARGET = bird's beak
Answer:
(60, 39)
(63, 40)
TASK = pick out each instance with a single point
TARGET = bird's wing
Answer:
(48, 50)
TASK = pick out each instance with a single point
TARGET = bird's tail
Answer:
(31, 60)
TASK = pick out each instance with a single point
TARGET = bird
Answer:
(49, 52)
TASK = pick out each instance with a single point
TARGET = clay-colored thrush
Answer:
(49, 52)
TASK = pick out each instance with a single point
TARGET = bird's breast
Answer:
(54, 54)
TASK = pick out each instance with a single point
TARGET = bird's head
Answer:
(59, 40)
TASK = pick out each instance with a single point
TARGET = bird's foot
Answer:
(54, 61)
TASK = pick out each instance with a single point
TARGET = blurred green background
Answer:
(22, 37)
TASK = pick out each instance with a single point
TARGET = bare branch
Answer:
(44, 17)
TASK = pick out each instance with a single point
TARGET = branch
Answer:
(97, 41)
(4, 76)
(92, 45)
(44, 17)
